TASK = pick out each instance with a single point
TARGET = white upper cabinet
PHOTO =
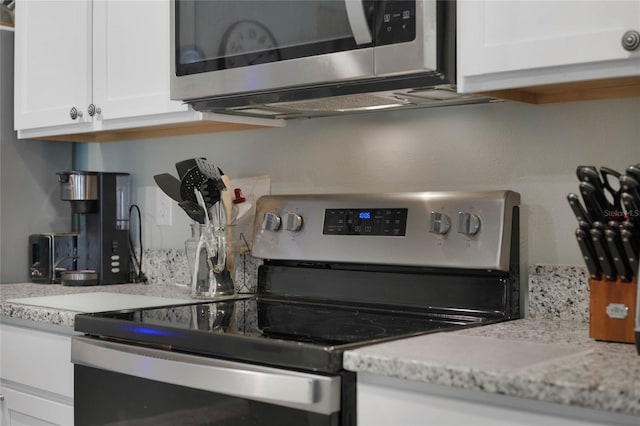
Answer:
(93, 70)
(515, 43)
(53, 71)
(131, 59)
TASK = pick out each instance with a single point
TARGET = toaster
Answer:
(50, 254)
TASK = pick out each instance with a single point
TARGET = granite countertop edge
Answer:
(591, 379)
(594, 381)
(45, 316)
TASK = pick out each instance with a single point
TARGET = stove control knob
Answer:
(292, 222)
(468, 223)
(271, 222)
(439, 223)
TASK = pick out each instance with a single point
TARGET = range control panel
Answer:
(439, 229)
(366, 221)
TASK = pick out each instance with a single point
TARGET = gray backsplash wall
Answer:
(531, 149)
(29, 193)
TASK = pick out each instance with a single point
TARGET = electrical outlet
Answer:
(163, 208)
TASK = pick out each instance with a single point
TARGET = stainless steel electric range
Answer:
(340, 271)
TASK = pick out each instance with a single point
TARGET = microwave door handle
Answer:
(358, 21)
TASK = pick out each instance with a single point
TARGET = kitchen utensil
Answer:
(211, 171)
(194, 179)
(592, 177)
(632, 207)
(603, 255)
(632, 187)
(580, 171)
(592, 201)
(202, 205)
(182, 167)
(227, 205)
(611, 182)
(614, 243)
(633, 171)
(170, 185)
(578, 209)
(588, 253)
(630, 245)
(193, 210)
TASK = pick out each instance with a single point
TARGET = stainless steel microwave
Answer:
(257, 56)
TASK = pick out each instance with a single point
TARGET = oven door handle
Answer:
(288, 388)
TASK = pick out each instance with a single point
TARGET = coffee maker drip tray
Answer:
(79, 277)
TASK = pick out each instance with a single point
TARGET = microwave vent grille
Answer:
(340, 103)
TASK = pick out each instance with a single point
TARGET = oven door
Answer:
(130, 385)
(231, 47)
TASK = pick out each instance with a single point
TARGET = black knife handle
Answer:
(580, 172)
(577, 208)
(617, 254)
(603, 256)
(630, 249)
(592, 177)
(591, 202)
(588, 253)
(632, 208)
(631, 186)
(633, 171)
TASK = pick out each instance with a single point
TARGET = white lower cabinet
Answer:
(384, 401)
(36, 376)
(26, 409)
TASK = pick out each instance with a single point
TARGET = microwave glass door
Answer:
(222, 34)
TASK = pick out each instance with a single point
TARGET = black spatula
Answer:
(170, 185)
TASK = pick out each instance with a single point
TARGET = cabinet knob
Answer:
(93, 110)
(74, 113)
(631, 40)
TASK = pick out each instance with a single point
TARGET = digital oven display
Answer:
(383, 222)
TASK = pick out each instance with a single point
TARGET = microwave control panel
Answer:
(395, 22)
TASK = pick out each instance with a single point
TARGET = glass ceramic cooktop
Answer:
(260, 329)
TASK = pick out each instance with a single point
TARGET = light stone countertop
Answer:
(52, 316)
(548, 357)
(548, 360)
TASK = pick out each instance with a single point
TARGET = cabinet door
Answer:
(24, 409)
(37, 359)
(131, 58)
(52, 63)
(508, 44)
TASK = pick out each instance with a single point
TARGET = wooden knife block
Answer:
(608, 302)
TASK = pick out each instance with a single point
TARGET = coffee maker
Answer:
(100, 216)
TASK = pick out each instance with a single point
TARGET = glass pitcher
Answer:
(207, 262)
